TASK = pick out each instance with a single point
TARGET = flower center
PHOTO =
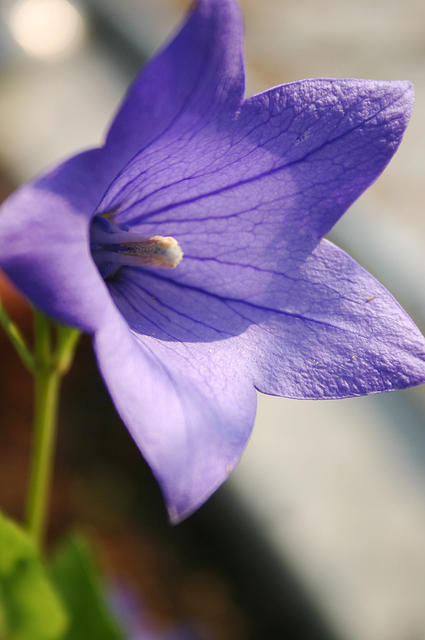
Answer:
(113, 246)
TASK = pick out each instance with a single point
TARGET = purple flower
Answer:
(246, 189)
(135, 619)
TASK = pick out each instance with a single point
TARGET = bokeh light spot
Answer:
(46, 28)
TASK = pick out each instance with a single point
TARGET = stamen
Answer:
(107, 215)
(113, 246)
(157, 251)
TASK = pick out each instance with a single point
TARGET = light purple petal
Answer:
(44, 245)
(199, 76)
(259, 192)
(325, 329)
(199, 73)
(334, 136)
(188, 408)
(248, 211)
(183, 378)
(339, 334)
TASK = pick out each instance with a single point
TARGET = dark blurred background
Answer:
(320, 532)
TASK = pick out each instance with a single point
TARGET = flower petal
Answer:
(188, 407)
(248, 208)
(44, 246)
(182, 379)
(198, 75)
(342, 334)
(335, 137)
(261, 190)
(325, 328)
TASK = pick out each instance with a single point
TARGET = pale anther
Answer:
(157, 251)
(114, 246)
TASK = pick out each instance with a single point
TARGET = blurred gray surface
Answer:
(339, 490)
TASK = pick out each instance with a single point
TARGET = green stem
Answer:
(17, 340)
(47, 384)
(42, 340)
(67, 340)
(49, 369)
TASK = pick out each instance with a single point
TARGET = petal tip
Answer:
(180, 507)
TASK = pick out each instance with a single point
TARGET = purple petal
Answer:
(261, 190)
(325, 328)
(183, 378)
(334, 136)
(134, 617)
(188, 408)
(193, 357)
(249, 222)
(198, 76)
(44, 245)
(340, 334)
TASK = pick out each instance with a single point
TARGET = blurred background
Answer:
(320, 532)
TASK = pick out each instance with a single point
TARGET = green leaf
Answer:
(29, 607)
(77, 578)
